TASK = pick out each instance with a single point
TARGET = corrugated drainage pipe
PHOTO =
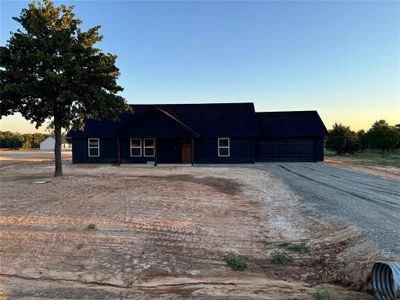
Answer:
(385, 280)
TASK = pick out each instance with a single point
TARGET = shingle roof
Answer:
(290, 124)
(207, 120)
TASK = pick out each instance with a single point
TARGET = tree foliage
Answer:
(362, 140)
(342, 140)
(383, 136)
(10, 139)
(52, 71)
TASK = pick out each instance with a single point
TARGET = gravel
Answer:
(370, 203)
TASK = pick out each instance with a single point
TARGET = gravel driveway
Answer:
(369, 202)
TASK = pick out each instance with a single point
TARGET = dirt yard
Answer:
(162, 232)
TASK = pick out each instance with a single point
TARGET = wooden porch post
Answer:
(192, 154)
(155, 152)
(118, 152)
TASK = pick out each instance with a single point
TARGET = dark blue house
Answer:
(200, 133)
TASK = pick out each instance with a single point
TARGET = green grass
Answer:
(236, 262)
(280, 258)
(369, 157)
(326, 293)
(295, 247)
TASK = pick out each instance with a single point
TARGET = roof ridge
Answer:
(285, 111)
(200, 103)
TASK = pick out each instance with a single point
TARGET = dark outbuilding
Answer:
(291, 136)
(200, 133)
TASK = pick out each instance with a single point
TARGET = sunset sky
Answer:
(337, 57)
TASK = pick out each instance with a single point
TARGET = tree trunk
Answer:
(57, 149)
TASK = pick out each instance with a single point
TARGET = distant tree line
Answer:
(381, 135)
(10, 139)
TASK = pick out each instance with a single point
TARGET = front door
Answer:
(186, 151)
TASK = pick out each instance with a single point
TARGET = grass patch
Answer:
(236, 262)
(371, 157)
(295, 247)
(326, 293)
(91, 226)
(280, 258)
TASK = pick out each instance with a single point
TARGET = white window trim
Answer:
(224, 147)
(140, 147)
(98, 147)
(152, 147)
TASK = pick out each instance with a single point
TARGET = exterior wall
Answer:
(242, 150)
(319, 149)
(80, 151)
(48, 144)
(126, 153)
(168, 151)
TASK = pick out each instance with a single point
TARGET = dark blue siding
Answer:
(319, 149)
(126, 153)
(241, 151)
(169, 151)
(80, 151)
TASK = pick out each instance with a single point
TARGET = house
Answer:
(199, 134)
(49, 143)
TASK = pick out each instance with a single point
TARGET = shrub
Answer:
(326, 293)
(295, 247)
(342, 140)
(280, 258)
(236, 262)
(91, 226)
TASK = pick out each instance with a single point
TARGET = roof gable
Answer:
(290, 124)
(207, 120)
(156, 123)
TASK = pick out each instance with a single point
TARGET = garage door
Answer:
(290, 150)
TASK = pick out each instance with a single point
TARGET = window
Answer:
(136, 147)
(224, 147)
(149, 147)
(94, 147)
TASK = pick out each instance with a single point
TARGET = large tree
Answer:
(51, 71)
(383, 136)
(342, 139)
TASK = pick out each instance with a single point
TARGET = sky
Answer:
(341, 58)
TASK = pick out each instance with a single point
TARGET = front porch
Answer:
(155, 150)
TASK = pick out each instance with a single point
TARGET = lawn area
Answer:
(368, 157)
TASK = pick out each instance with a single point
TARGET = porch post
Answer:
(155, 152)
(118, 152)
(192, 148)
